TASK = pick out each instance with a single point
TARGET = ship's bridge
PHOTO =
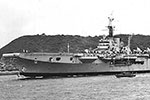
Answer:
(103, 44)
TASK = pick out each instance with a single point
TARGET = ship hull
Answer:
(48, 64)
(31, 69)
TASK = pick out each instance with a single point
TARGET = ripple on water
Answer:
(80, 88)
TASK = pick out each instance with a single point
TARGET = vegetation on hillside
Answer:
(58, 43)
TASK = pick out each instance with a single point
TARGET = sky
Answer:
(72, 17)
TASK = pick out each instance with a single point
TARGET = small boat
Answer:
(125, 74)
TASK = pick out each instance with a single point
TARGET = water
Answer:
(81, 88)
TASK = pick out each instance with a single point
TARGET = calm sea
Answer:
(80, 88)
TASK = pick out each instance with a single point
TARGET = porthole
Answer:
(50, 59)
(58, 58)
(71, 58)
(35, 60)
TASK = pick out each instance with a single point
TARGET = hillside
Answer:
(58, 43)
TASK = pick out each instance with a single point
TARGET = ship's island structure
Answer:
(110, 57)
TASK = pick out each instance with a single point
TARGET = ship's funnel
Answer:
(110, 28)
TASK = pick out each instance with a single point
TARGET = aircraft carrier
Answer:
(110, 57)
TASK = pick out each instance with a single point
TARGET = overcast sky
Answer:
(71, 17)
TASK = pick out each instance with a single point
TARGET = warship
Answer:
(109, 57)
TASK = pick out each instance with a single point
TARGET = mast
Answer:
(129, 39)
(68, 48)
(129, 42)
(110, 27)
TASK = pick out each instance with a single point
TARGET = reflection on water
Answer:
(80, 88)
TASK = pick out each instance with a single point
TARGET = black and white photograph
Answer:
(74, 49)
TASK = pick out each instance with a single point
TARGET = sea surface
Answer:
(75, 88)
